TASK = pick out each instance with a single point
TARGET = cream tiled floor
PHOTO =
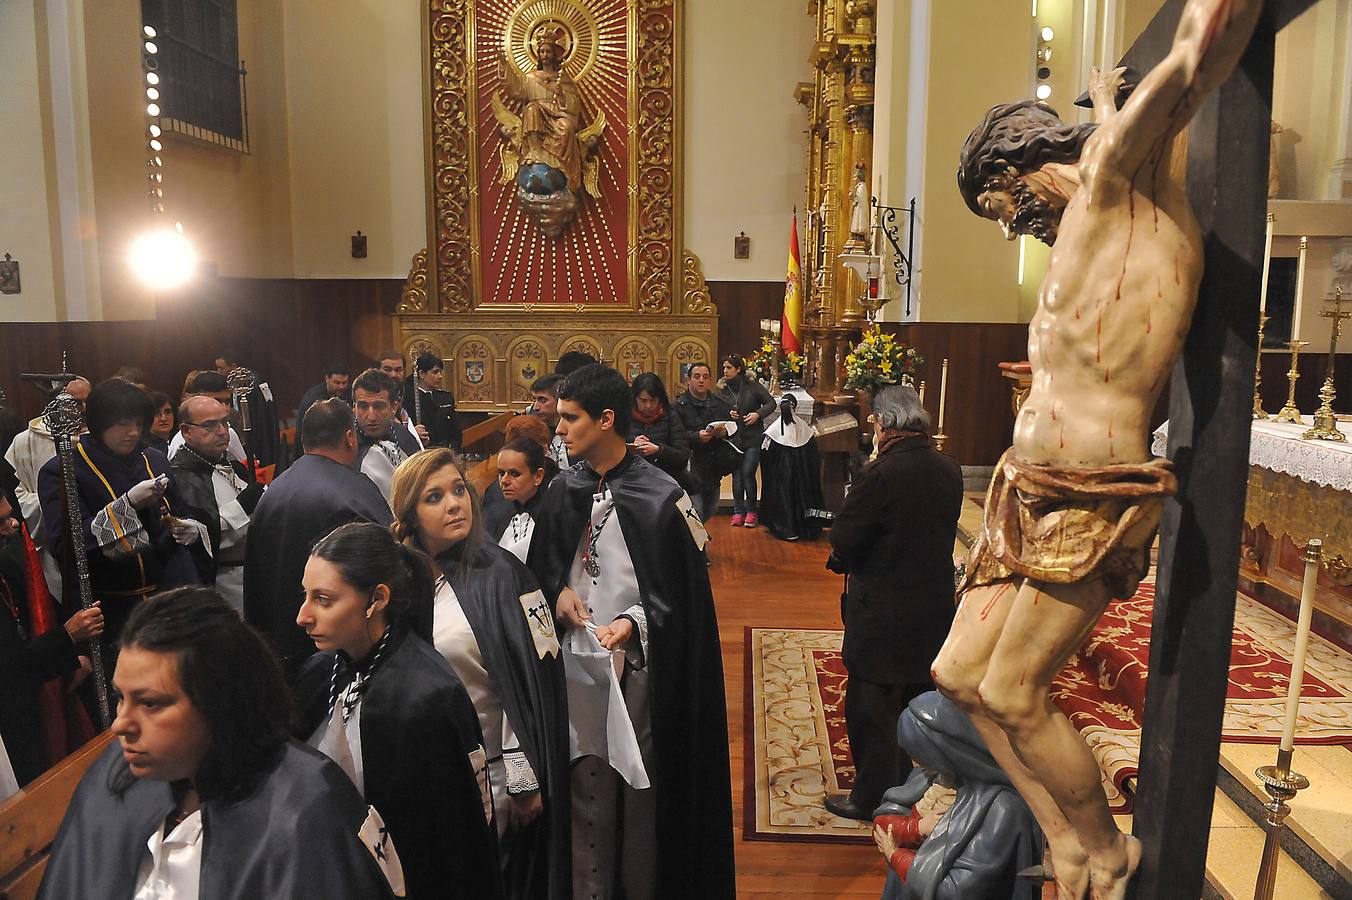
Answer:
(1320, 816)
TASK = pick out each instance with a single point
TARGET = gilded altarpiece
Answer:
(554, 160)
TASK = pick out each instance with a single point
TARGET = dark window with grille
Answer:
(201, 87)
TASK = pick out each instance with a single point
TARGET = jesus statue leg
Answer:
(958, 671)
(1046, 624)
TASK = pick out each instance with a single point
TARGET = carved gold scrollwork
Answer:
(583, 343)
(414, 297)
(452, 172)
(473, 374)
(697, 299)
(682, 352)
(634, 356)
(526, 361)
(656, 128)
(416, 345)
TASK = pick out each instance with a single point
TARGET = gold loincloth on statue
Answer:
(1064, 524)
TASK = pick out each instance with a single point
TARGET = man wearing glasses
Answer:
(216, 493)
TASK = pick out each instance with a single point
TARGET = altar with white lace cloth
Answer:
(1297, 490)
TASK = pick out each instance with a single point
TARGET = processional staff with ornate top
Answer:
(242, 383)
(64, 420)
(417, 395)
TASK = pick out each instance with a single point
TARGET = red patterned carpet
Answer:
(1102, 689)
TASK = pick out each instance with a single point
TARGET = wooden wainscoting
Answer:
(287, 329)
(741, 306)
(978, 418)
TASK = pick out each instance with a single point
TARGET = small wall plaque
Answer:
(9, 275)
(741, 246)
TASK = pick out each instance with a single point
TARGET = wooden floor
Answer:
(761, 581)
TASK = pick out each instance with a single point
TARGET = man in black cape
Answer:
(319, 492)
(430, 406)
(618, 550)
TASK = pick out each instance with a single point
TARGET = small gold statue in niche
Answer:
(545, 149)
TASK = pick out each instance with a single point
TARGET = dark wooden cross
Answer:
(1210, 406)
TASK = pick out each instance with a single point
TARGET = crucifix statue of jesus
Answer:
(1074, 505)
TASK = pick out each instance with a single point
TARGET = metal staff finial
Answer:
(242, 382)
(65, 420)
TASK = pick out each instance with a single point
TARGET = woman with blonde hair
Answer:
(493, 626)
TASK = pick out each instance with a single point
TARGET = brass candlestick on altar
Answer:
(1289, 413)
(1258, 371)
(1325, 425)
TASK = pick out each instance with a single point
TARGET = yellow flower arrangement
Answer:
(878, 360)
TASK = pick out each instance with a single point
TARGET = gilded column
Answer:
(859, 44)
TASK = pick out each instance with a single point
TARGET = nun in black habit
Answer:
(493, 626)
(380, 702)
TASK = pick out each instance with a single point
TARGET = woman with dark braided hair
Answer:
(384, 705)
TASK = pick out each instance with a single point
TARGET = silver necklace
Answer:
(591, 561)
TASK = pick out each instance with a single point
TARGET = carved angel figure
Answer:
(545, 149)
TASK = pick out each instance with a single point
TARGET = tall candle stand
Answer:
(1280, 783)
(1258, 371)
(1325, 425)
(1289, 413)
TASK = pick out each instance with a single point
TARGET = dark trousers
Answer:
(871, 713)
(706, 501)
(744, 494)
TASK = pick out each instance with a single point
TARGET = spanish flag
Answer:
(790, 338)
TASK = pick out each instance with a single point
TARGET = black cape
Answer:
(493, 588)
(418, 728)
(307, 501)
(498, 511)
(294, 836)
(689, 714)
(192, 476)
(438, 415)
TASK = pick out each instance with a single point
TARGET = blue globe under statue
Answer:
(540, 179)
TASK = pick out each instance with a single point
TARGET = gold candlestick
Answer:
(1258, 371)
(1325, 425)
(1281, 785)
(1289, 413)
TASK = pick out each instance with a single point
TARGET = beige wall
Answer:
(745, 138)
(354, 126)
(24, 232)
(238, 205)
(1311, 99)
(968, 273)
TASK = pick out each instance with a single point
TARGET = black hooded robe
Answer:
(296, 835)
(307, 501)
(689, 775)
(521, 656)
(418, 729)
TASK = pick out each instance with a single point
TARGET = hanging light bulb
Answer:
(148, 31)
(1044, 91)
(1047, 33)
(163, 258)
(152, 78)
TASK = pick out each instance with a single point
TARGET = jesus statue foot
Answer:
(1070, 872)
(1111, 883)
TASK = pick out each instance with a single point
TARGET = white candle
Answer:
(1267, 265)
(1312, 552)
(922, 393)
(1300, 288)
(943, 395)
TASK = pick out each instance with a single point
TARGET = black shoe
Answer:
(845, 808)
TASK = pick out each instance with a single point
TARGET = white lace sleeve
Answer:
(520, 775)
(637, 654)
(118, 531)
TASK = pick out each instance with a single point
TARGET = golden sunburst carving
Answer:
(529, 20)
